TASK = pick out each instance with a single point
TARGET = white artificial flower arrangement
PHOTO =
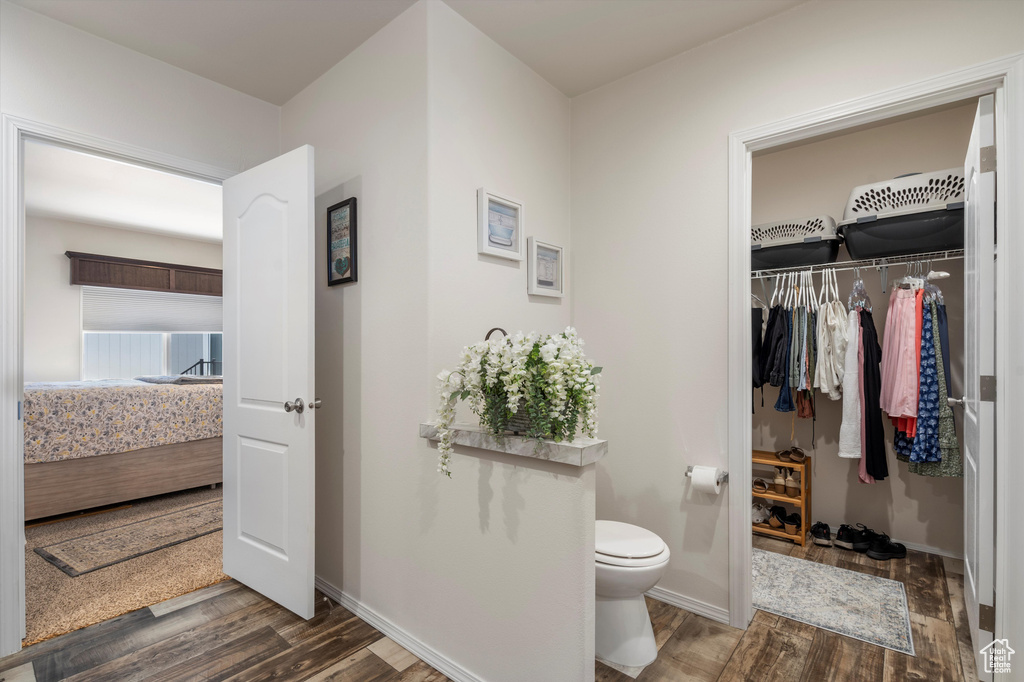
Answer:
(549, 377)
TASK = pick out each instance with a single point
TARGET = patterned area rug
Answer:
(88, 553)
(857, 605)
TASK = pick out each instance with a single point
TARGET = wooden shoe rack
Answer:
(801, 502)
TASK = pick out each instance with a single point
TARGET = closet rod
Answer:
(866, 263)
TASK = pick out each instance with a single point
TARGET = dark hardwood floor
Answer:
(223, 632)
(229, 632)
(691, 647)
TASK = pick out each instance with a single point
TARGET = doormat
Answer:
(92, 552)
(864, 607)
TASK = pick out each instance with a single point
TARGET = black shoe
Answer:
(777, 516)
(849, 537)
(821, 534)
(884, 549)
(869, 535)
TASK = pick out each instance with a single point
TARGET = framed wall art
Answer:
(341, 242)
(546, 269)
(499, 225)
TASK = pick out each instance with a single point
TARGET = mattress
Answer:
(70, 420)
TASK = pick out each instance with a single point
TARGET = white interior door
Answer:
(979, 379)
(268, 362)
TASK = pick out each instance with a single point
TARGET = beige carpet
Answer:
(57, 603)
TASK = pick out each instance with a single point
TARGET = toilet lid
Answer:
(615, 539)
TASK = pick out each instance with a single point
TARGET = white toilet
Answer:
(630, 561)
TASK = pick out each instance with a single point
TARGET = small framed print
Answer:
(499, 225)
(341, 242)
(546, 269)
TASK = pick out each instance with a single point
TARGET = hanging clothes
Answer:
(951, 463)
(832, 329)
(926, 437)
(774, 347)
(898, 395)
(756, 322)
(862, 466)
(784, 403)
(874, 434)
(850, 429)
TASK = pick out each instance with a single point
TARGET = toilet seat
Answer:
(626, 545)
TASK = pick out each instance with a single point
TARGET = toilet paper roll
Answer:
(705, 479)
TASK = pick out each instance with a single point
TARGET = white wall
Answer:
(650, 241)
(816, 178)
(53, 73)
(497, 561)
(53, 308)
(522, 535)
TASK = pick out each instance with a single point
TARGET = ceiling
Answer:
(71, 185)
(579, 45)
(272, 49)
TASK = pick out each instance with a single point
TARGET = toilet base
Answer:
(623, 631)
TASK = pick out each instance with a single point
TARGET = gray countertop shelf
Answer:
(580, 452)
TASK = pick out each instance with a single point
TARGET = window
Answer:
(127, 333)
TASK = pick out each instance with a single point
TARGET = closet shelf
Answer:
(765, 529)
(780, 497)
(580, 452)
(934, 256)
(767, 457)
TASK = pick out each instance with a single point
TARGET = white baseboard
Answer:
(690, 604)
(426, 653)
(918, 547)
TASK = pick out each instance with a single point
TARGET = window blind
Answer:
(132, 310)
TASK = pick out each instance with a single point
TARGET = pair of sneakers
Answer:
(859, 538)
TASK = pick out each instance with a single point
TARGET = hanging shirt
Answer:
(874, 452)
(850, 429)
(926, 438)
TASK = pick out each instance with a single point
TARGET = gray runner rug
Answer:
(853, 604)
(106, 548)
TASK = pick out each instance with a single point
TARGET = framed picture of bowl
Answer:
(499, 225)
(341, 242)
(546, 269)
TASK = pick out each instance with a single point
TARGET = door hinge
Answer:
(988, 388)
(986, 618)
(988, 159)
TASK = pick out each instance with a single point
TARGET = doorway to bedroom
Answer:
(122, 356)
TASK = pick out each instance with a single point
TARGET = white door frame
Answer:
(12, 240)
(1005, 77)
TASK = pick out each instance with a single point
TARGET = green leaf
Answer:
(464, 395)
(596, 370)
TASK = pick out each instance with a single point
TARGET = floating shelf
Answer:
(580, 452)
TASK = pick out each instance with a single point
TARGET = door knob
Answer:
(297, 406)
(954, 402)
(315, 404)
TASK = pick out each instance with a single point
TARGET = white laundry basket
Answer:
(792, 243)
(915, 213)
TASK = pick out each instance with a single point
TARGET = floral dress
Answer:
(926, 440)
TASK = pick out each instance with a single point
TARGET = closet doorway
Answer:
(912, 495)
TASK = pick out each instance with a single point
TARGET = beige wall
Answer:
(498, 560)
(650, 233)
(817, 178)
(53, 308)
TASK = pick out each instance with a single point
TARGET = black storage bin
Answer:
(794, 243)
(919, 213)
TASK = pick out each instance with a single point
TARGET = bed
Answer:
(94, 443)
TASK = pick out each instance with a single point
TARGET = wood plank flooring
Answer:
(222, 632)
(691, 647)
(229, 632)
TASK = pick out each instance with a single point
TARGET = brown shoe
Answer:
(793, 483)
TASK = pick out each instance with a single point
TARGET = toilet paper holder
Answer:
(722, 477)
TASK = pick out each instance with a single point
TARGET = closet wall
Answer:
(816, 178)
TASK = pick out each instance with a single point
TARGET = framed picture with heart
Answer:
(341, 242)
